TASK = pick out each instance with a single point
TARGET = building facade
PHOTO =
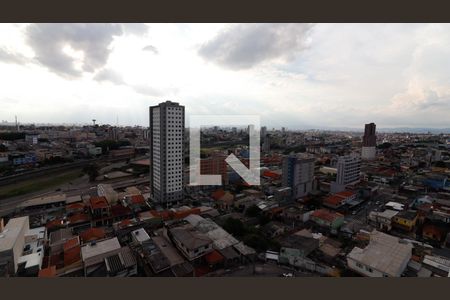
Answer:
(348, 172)
(368, 150)
(298, 174)
(166, 152)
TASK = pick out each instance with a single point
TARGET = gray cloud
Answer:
(147, 90)
(94, 40)
(10, 57)
(109, 75)
(151, 48)
(243, 46)
(48, 41)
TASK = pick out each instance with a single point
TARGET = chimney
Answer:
(2, 225)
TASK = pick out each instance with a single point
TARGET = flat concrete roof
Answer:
(103, 247)
(11, 232)
(385, 253)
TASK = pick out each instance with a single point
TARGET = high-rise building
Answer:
(166, 152)
(368, 150)
(298, 174)
(348, 172)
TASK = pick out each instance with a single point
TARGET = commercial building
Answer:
(166, 152)
(368, 150)
(298, 174)
(21, 248)
(384, 256)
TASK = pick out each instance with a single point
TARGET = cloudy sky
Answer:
(292, 75)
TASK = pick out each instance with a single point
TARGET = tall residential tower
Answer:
(368, 150)
(166, 152)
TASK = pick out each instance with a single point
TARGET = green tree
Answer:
(234, 227)
(253, 211)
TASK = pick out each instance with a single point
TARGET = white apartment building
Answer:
(348, 172)
(166, 152)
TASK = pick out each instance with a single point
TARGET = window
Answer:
(359, 265)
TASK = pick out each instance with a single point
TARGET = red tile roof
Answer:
(345, 194)
(54, 224)
(92, 234)
(271, 174)
(48, 272)
(333, 200)
(214, 257)
(137, 199)
(98, 202)
(218, 194)
(71, 243)
(326, 215)
(75, 206)
(119, 210)
(79, 218)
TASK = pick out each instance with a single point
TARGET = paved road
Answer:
(363, 211)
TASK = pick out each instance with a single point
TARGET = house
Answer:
(328, 219)
(384, 256)
(224, 199)
(121, 264)
(434, 232)
(382, 220)
(337, 200)
(295, 246)
(100, 211)
(295, 213)
(94, 253)
(405, 220)
(92, 234)
(191, 243)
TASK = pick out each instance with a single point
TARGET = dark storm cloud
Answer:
(94, 40)
(10, 57)
(150, 48)
(246, 45)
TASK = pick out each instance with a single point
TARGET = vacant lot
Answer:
(38, 184)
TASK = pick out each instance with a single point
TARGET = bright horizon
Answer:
(298, 76)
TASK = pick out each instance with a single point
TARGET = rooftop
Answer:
(384, 253)
(103, 247)
(11, 232)
(98, 202)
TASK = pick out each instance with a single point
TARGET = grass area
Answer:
(38, 184)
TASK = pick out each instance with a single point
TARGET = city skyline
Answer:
(324, 74)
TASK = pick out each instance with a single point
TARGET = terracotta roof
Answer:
(78, 205)
(92, 234)
(71, 243)
(98, 202)
(214, 257)
(120, 210)
(218, 194)
(48, 272)
(271, 174)
(334, 200)
(345, 194)
(79, 218)
(326, 215)
(137, 199)
(55, 223)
